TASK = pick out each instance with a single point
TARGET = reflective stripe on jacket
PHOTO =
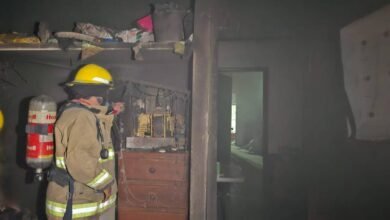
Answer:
(60, 161)
(80, 210)
(78, 152)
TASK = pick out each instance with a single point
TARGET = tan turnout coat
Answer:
(77, 151)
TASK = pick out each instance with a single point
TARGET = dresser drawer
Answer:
(155, 166)
(134, 214)
(158, 197)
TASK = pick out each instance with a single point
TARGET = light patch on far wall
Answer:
(234, 107)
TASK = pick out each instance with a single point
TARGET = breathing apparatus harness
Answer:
(61, 176)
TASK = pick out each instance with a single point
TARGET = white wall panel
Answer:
(366, 60)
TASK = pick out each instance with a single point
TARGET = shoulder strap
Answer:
(78, 105)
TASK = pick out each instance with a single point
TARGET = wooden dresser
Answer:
(153, 186)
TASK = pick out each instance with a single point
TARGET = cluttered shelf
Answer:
(56, 47)
(168, 28)
(140, 51)
(104, 45)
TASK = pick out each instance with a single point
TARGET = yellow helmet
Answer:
(92, 74)
(1, 120)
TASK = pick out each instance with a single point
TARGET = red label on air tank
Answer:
(41, 117)
(39, 146)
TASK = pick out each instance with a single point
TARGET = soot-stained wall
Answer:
(285, 62)
(27, 74)
(306, 107)
(258, 19)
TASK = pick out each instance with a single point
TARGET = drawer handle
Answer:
(152, 197)
(152, 170)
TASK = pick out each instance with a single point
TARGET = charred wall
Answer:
(27, 74)
(312, 166)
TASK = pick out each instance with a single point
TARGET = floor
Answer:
(350, 183)
(243, 201)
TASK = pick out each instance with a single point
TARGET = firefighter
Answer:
(82, 182)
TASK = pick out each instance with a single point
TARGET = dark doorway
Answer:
(240, 144)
